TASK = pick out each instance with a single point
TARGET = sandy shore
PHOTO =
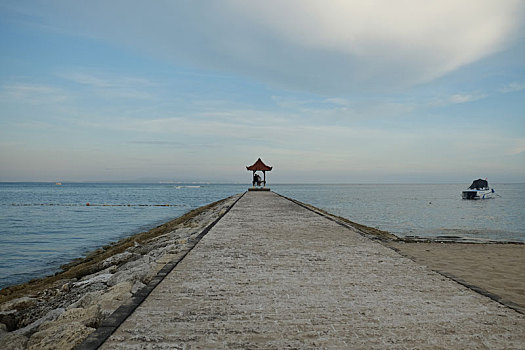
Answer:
(495, 268)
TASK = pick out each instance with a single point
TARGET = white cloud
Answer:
(33, 93)
(312, 45)
(458, 99)
(518, 147)
(337, 101)
(112, 86)
(411, 41)
(513, 87)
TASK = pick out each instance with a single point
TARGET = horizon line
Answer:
(138, 182)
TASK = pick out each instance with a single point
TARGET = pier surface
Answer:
(274, 275)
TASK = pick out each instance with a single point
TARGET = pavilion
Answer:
(259, 166)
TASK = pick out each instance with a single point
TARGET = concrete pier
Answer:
(274, 275)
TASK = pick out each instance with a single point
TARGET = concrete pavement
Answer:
(274, 275)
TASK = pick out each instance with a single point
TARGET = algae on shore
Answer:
(90, 264)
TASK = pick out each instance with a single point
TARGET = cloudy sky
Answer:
(324, 91)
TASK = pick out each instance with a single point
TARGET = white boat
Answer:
(478, 190)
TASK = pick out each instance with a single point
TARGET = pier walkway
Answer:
(272, 274)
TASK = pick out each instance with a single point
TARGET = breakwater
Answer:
(272, 272)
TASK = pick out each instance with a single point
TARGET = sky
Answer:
(336, 91)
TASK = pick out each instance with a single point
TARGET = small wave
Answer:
(454, 239)
(468, 236)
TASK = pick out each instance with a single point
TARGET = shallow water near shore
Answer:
(423, 210)
(43, 225)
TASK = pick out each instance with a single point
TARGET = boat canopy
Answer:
(479, 184)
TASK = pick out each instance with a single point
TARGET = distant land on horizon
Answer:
(168, 182)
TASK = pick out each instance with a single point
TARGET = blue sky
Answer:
(339, 91)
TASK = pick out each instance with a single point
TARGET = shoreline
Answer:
(72, 303)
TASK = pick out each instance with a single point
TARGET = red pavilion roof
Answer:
(259, 165)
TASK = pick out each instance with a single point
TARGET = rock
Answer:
(151, 273)
(181, 241)
(117, 259)
(13, 341)
(166, 258)
(119, 289)
(138, 285)
(146, 259)
(114, 297)
(103, 278)
(3, 331)
(61, 336)
(163, 260)
(87, 300)
(158, 243)
(31, 328)
(170, 249)
(89, 317)
(18, 304)
(136, 271)
(111, 269)
(121, 276)
(8, 318)
(66, 287)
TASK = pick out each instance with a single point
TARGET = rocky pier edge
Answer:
(60, 311)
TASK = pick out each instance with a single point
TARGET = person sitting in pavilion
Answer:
(256, 179)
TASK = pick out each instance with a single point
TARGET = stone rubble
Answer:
(62, 316)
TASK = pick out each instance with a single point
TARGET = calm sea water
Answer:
(43, 226)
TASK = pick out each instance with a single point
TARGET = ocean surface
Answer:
(44, 225)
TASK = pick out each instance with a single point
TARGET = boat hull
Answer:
(477, 194)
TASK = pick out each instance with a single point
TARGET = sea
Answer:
(45, 225)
